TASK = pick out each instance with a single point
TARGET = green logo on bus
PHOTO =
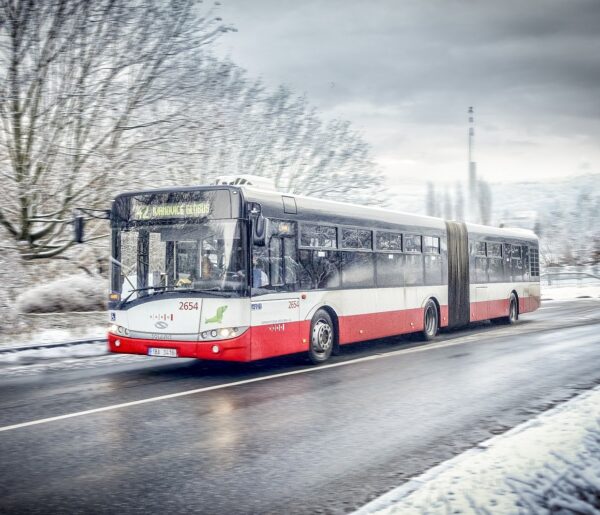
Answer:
(218, 318)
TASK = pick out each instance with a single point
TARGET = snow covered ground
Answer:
(55, 335)
(570, 292)
(550, 464)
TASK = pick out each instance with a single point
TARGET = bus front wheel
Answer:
(431, 321)
(322, 337)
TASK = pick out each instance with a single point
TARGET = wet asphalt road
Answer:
(324, 440)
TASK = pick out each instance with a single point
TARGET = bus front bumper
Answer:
(234, 349)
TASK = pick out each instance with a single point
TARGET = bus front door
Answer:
(275, 315)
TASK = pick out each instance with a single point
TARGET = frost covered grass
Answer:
(570, 292)
(549, 465)
(83, 350)
(73, 293)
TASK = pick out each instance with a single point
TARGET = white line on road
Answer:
(451, 343)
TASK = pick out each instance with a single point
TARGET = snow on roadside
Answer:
(49, 336)
(570, 292)
(550, 464)
(81, 350)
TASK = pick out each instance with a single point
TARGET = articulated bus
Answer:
(236, 273)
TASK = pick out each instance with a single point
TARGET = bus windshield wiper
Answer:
(135, 290)
(210, 291)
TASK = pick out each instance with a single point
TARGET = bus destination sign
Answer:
(177, 210)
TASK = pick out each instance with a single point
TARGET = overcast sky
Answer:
(406, 71)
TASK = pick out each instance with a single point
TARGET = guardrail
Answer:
(4, 349)
(569, 278)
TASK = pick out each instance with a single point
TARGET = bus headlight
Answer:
(118, 329)
(224, 333)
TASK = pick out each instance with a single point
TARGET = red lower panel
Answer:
(236, 349)
(489, 309)
(279, 339)
(528, 304)
(444, 315)
(499, 308)
(357, 328)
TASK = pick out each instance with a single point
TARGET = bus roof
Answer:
(354, 214)
(342, 213)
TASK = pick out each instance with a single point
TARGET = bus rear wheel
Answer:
(322, 337)
(513, 310)
(431, 321)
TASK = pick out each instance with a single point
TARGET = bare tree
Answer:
(83, 86)
(484, 198)
(448, 214)
(430, 201)
(239, 126)
(459, 206)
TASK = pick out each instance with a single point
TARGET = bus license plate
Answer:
(164, 353)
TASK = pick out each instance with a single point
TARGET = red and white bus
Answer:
(237, 273)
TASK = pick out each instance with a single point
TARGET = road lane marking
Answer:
(422, 348)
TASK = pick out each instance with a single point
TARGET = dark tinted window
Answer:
(413, 269)
(516, 263)
(481, 269)
(319, 269)
(495, 269)
(276, 261)
(290, 262)
(412, 243)
(389, 241)
(478, 248)
(534, 263)
(318, 236)
(431, 244)
(357, 269)
(433, 268)
(357, 239)
(282, 227)
(494, 250)
(390, 270)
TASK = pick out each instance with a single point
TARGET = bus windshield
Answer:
(203, 257)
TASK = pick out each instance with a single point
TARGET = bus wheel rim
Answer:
(322, 336)
(430, 320)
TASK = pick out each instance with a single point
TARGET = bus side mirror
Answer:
(259, 231)
(78, 226)
(259, 225)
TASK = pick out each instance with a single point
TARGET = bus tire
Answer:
(513, 310)
(322, 337)
(431, 321)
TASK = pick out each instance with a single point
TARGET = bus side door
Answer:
(275, 315)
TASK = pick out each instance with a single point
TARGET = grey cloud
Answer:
(532, 63)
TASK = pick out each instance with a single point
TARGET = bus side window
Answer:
(525, 253)
(516, 263)
(283, 271)
(276, 261)
(319, 269)
(506, 250)
(290, 262)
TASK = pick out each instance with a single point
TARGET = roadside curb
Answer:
(51, 345)
(397, 494)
